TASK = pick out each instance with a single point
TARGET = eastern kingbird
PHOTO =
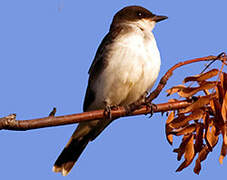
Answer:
(125, 67)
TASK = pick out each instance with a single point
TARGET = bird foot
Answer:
(151, 106)
(107, 111)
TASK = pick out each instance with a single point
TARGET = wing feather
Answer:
(99, 64)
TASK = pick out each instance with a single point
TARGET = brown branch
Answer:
(10, 123)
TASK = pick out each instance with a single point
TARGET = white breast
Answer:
(133, 67)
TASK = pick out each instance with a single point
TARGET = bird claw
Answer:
(107, 111)
(151, 107)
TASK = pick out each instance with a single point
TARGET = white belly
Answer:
(133, 67)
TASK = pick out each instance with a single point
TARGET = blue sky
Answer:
(46, 48)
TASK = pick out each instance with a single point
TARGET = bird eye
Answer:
(139, 14)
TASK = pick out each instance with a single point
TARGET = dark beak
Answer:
(157, 18)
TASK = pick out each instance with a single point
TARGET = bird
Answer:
(125, 67)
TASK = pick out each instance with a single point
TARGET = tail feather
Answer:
(84, 133)
(70, 155)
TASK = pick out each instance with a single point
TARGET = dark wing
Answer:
(98, 65)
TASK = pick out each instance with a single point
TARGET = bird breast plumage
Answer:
(133, 67)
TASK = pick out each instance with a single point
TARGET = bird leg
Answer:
(107, 110)
(151, 106)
